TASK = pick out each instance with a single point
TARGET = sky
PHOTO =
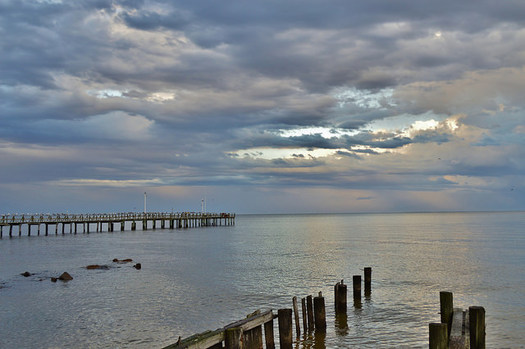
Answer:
(262, 106)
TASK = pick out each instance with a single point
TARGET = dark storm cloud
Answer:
(172, 93)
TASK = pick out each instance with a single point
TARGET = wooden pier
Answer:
(86, 223)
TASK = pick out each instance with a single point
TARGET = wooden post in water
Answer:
(252, 339)
(368, 281)
(477, 327)
(446, 305)
(296, 317)
(268, 334)
(233, 338)
(340, 297)
(357, 290)
(319, 313)
(438, 338)
(310, 313)
(303, 310)
(285, 328)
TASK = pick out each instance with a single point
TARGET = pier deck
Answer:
(83, 223)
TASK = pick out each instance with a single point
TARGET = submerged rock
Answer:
(26, 274)
(65, 277)
(127, 260)
(97, 266)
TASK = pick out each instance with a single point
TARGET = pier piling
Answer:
(319, 313)
(368, 281)
(340, 294)
(310, 313)
(296, 317)
(446, 305)
(285, 328)
(438, 338)
(477, 327)
(357, 290)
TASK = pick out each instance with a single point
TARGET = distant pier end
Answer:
(86, 223)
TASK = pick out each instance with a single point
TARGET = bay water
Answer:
(200, 279)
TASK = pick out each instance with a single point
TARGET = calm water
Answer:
(203, 278)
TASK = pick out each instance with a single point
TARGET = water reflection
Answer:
(341, 324)
(312, 340)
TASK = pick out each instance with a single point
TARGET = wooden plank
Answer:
(457, 339)
(252, 321)
(199, 341)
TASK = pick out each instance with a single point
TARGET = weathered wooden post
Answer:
(446, 305)
(438, 338)
(233, 338)
(477, 327)
(357, 290)
(285, 328)
(368, 281)
(319, 313)
(252, 339)
(296, 317)
(310, 313)
(303, 308)
(268, 334)
(340, 297)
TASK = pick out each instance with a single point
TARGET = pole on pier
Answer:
(438, 338)
(285, 328)
(357, 290)
(446, 305)
(319, 313)
(296, 317)
(477, 327)
(310, 313)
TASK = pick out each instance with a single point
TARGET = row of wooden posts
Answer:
(248, 333)
(458, 329)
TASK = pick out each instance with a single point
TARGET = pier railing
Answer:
(82, 222)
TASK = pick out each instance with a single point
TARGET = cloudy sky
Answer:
(262, 106)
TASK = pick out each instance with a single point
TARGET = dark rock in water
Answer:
(96, 266)
(65, 277)
(26, 274)
(127, 260)
(137, 266)
(54, 279)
